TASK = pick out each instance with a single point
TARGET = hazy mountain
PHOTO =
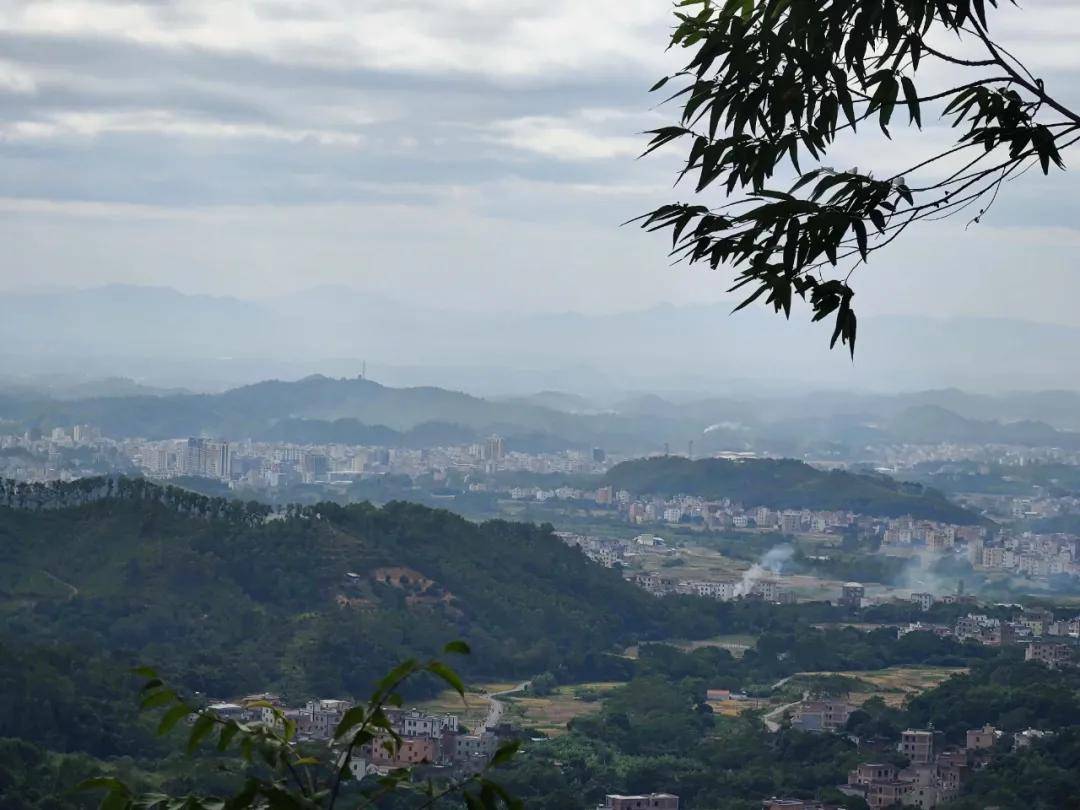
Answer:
(931, 423)
(555, 400)
(320, 408)
(161, 337)
(356, 410)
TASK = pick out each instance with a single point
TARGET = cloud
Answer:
(571, 139)
(508, 39)
(165, 123)
(453, 149)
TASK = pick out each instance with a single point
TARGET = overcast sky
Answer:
(464, 153)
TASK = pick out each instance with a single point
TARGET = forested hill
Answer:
(318, 602)
(319, 408)
(785, 484)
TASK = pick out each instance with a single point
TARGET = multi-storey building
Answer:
(822, 715)
(649, 801)
(1052, 654)
(918, 746)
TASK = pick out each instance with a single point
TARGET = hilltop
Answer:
(319, 601)
(785, 484)
(319, 408)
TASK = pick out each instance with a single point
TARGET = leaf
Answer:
(505, 753)
(860, 236)
(448, 675)
(110, 783)
(229, 731)
(392, 678)
(912, 97)
(352, 718)
(161, 698)
(172, 717)
(458, 647)
(659, 84)
(245, 798)
(203, 726)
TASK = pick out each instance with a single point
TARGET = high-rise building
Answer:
(220, 460)
(493, 448)
(206, 458)
(316, 464)
(193, 458)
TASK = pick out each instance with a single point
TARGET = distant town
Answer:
(487, 468)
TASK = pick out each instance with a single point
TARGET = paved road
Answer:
(496, 706)
(73, 590)
(773, 718)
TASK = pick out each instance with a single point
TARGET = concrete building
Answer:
(924, 600)
(319, 718)
(414, 723)
(887, 793)
(918, 746)
(822, 715)
(979, 738)
(852, 594)
(411, 751)
(1052, 654)
(651, 801)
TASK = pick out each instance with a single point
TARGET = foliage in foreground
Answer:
(772, 81)
(281, 774)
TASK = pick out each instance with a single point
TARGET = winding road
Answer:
(496, 706)
(73, 590)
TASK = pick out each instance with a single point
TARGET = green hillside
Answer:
(784, 484)
(318, 602)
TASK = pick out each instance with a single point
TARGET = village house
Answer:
(822, 715)
(918, 746)
(979, 738)
(651, 801)
(1052, 654)
(414, 723)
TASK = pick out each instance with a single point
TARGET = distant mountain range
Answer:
(320, 409)
(166, 339)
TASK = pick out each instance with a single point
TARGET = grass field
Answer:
(551, 713)
(737, 644)
(894, 685)
(695, 563)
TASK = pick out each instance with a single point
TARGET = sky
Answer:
(466, 154)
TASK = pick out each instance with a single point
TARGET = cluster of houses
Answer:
(1046, 639)
(768, 590)
(935, 772)
(1030, 555)
(434, 741)
(608, 552)
(932, 535)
